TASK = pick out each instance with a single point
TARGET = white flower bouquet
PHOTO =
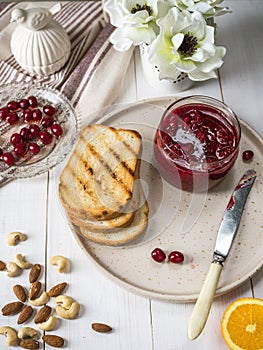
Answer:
(177, 33)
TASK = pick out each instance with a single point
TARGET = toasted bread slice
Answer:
(124, 219)
(121, 235)
(98, 179)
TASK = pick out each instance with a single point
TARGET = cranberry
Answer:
(8, 158)
(4, 113)
(34, 131)
(56, 129)
(33, 148)
(47, 121)
(49, 110)
(12, 118)
(27, 115)
(45, 137)
(20, 149)
(15, 138)
(24, 132)
(176, 257)
(247, 155)
(13, 105)
(37, 115)
(24, 103)
(158, 255)
(32, 101)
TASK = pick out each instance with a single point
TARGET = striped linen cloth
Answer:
(93, 76)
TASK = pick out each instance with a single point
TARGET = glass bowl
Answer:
(29, 164)
(197, 142)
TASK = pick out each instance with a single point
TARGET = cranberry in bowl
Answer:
(196, 143)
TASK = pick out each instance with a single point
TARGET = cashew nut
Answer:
(19, 260)
(10, 334)
(49, 324)
(28, 332)
(64, 300)
(12, 269)
(14, 237)
(41, 300)
(60, 261)
(70, 313)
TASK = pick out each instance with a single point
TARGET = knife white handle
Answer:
(204, 301)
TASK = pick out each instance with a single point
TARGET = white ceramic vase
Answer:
(151, 74)
(39, 44)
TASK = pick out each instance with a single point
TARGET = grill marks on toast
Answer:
(99, 179)
(98, 189)
(106, 166)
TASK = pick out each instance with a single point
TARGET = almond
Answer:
(20, 292)
(34, 273)
(29, 344)
(101, 327)
(53, 340)
(12, 308)
(25, 314)
(43, 314)
(2, 265)
(34, 290)
(57, 289)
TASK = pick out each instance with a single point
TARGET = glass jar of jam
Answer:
(197, 142)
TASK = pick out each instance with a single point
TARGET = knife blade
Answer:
(225, 237)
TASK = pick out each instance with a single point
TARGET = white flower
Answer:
(185, 44)
(135, 21)
(208, 8)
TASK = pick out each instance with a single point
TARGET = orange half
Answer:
(242, 324)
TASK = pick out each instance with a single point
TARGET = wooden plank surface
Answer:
(31, 205)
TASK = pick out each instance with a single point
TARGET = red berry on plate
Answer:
(24, 132)
(56, 129)
(4, 113)
(37, 115)
(47, 121)
(27, 115)
(24, 103)
(34, 131)
(33, 148)
(13, 105)
(158, 255)
(20, 149)
(247, 155)
(45, 137)
(33, 101)
(176, 257)
(49, 110)
(12, 118)
(8, 158)
(15, 138)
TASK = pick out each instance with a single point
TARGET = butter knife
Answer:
(225, 237)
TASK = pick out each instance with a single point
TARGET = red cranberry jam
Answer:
(196, 143)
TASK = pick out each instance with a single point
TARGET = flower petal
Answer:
(115, 12)
(213, 62)
(123, 38)
(120, 41)
(177, 40)
(197, 75)
(185, 65)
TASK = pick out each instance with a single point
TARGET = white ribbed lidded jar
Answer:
(39, 44)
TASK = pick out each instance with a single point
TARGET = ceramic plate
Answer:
(50, 155)
(181, 221)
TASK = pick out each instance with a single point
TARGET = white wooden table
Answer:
(31, 205)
